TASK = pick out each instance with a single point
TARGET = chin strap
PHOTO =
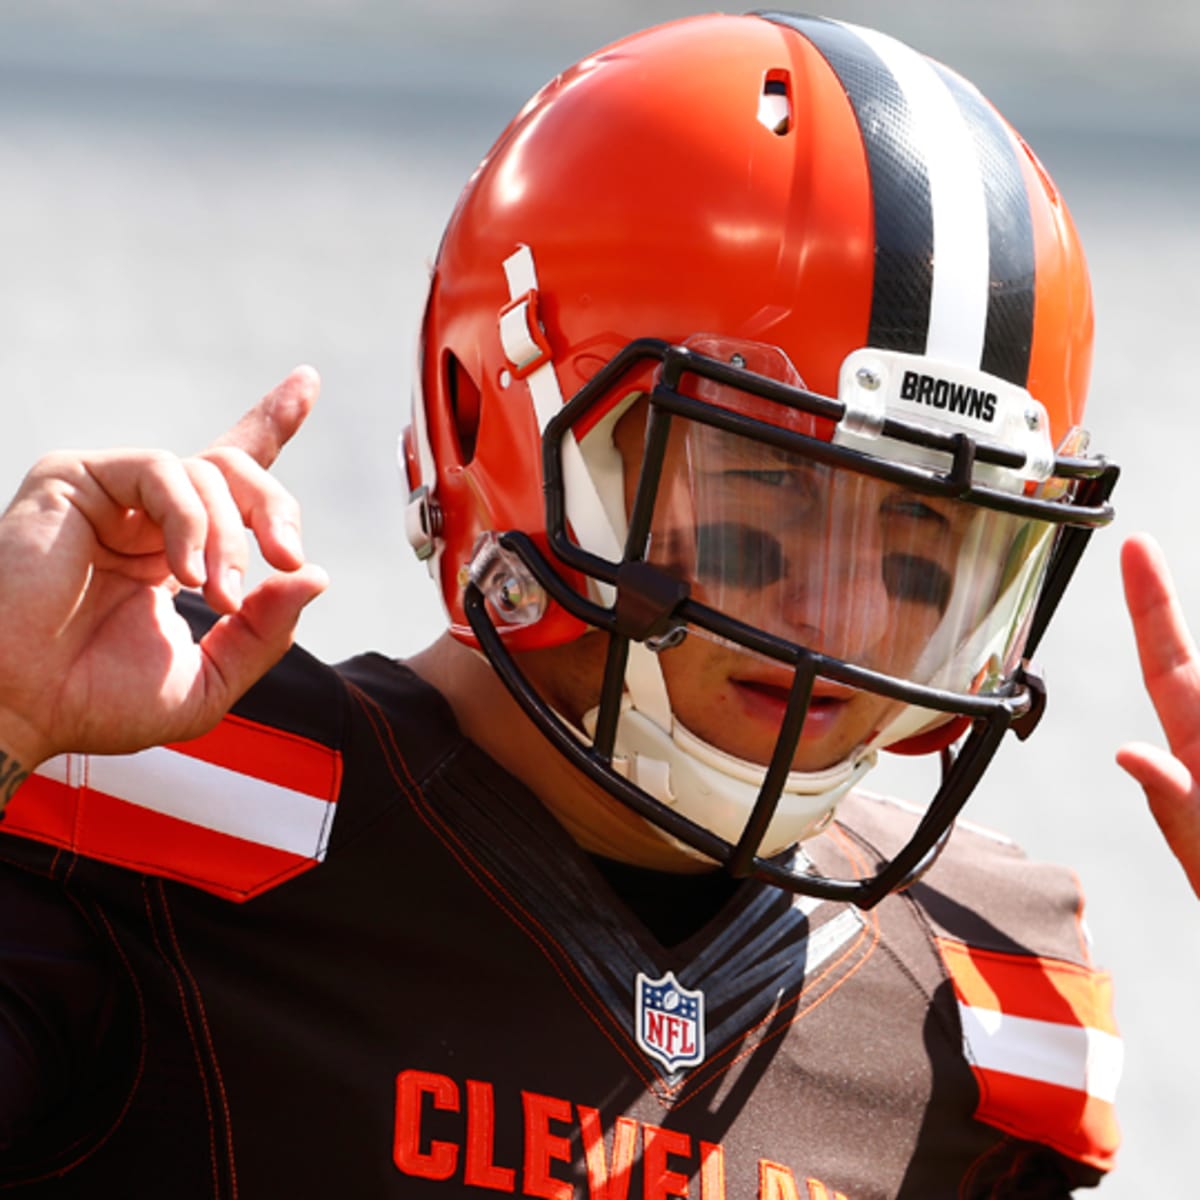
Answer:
(712, 788)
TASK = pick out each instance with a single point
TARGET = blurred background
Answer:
(198, 195)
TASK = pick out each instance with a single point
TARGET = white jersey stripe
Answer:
(961, 267)
(1070, 1056)
(201, 793)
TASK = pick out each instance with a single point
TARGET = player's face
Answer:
(849, 566)
(852, 567)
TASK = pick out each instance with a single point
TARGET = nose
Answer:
(833, 595)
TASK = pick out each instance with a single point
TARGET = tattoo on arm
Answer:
(12, 775)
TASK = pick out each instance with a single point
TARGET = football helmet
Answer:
(756, 352)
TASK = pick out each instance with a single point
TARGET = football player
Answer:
(747, 446)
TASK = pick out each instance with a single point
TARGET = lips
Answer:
(768, 700)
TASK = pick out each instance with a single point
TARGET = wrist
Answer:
(21, 750)
(13, 773)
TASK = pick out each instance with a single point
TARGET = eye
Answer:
(911, 508)
(766, 476)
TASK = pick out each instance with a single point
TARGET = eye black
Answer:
(910, 577)
(738, 555)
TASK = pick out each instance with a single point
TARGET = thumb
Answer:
(264, 430)
(242, 646)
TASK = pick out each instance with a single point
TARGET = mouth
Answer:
(768, 700)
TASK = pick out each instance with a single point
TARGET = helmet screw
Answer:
(510, 593)
(737, 360)
(868, 379)
(1033, 419)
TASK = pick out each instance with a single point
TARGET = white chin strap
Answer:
(706, 785)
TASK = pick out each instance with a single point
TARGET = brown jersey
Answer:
(336, 950)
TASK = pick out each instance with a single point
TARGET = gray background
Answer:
(196, 196)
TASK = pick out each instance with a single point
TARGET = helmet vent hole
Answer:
(775, 102)
(463, 394)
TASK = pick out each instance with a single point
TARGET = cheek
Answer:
(693, 663)
(568, 677)
(909, 633)
(696, 674)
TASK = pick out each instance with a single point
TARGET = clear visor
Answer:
(916, 587)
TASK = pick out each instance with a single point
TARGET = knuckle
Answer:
(53, 473)
(224, 457)
(203, 472)
(55, 463)
(285, 507)
(160, 462)
(162, 474)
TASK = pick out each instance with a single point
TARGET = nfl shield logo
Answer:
(669, 1021)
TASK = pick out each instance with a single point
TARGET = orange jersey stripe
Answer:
(1042, 989)
(1080, 1126)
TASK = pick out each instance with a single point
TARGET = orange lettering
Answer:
(775, 1182)
(480, 1170)
(818, 1191)
(657, 1144)
(605, 1182)
(541, 1146)
(442, 1158)
(712, 1171)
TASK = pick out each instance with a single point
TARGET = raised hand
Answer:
(93, 548)
(1171, 670)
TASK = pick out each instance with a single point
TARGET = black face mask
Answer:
(933, 495)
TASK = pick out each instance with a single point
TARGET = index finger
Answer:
(264, 430)
(1165, 647)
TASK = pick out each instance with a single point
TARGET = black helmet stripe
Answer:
(901, 300)
(954, 257)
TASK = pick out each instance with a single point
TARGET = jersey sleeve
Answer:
(1035, 1014)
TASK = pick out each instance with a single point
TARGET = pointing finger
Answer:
(264, 430)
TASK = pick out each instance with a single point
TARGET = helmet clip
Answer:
(1028, 721)
(647, 599)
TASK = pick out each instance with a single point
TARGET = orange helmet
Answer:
(810, 289)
